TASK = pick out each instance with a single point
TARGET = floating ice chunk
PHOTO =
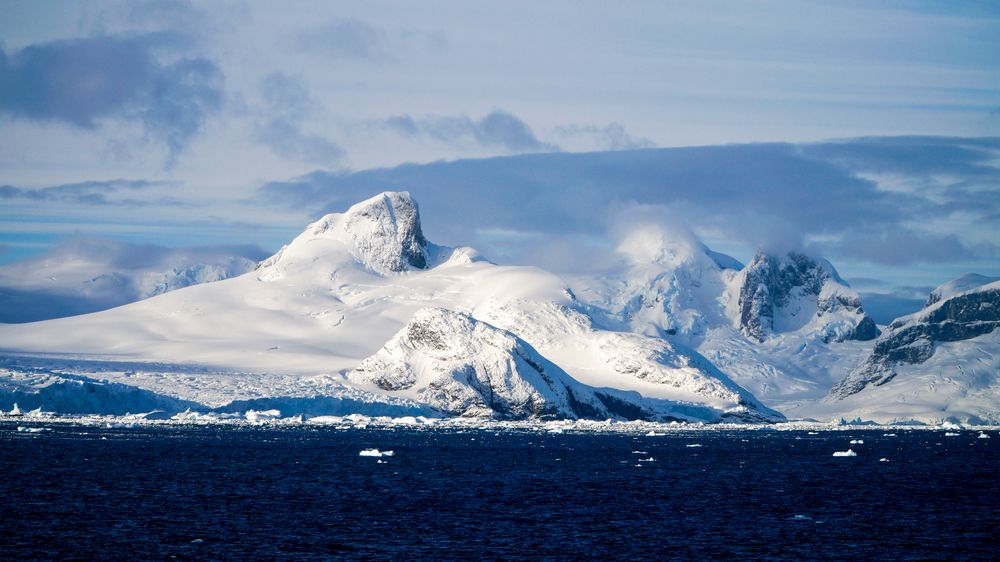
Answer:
(655, 434)
(197, 541)
(23, 429)
(950, 434)
(650, 459)
(950, 425)
(15, 411)
(693, 445)
(375, 453)
(847, 453)
(639, 453)
(325, 419)
(982, 435)
(883, 459)
(262, 416)
(813, 433)
(889, 435)
(857, 441)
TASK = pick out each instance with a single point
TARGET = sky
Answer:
(865, 132)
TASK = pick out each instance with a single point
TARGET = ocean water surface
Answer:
(305, 493)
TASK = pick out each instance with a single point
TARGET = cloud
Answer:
(758, 195)
(353, 39)
(344, 38)
(93, 193)
(899, 246)
(286, 105)
(497, 129)
(134, 78)
(611, 137)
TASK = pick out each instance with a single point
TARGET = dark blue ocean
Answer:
(162, 493)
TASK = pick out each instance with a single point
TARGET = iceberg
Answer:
(375, 453)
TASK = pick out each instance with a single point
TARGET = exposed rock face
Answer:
(912, 339)
(775, 284)
(466, 367)
(386, 232)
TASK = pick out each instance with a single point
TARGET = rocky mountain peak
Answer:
(792, 283)
(386, 233)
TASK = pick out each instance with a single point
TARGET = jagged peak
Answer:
(816, 267)
(771, 282)
(383, 233)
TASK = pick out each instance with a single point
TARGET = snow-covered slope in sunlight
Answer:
(960, 284)
(942, 362)
(89, 274)
(344, 289)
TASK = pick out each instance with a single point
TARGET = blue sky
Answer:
(862, 131)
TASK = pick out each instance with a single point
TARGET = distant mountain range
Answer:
(362, 313)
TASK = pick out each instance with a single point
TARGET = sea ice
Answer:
(693, 445)
(857, 441)
(982, 435)
(847, 453)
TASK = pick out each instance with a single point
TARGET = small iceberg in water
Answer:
(693, 445)
(883, 459)
(22, 429)
(950, 434)
(847, 453)
(982, 435)
(857, 441)
(375, 453)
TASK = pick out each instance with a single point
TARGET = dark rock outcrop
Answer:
(912, 339)
(772, 282)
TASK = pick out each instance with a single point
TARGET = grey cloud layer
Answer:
(497, 129)
(286, 105)
(776, 195)
(93, 193)
(138, 78)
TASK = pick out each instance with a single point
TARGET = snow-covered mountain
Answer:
(784, 327)
(941, 361)
(89, 274)
(361, 304)
(791, 292)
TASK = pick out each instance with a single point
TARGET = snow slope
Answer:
(349, 283)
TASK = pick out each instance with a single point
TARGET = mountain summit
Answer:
(382, 233)
(785, 292)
